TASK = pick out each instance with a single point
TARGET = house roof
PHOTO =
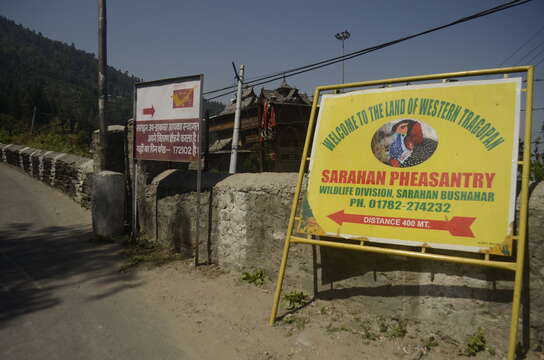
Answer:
(286, 94)
(248, 98)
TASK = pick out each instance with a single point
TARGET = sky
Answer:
(168, 38)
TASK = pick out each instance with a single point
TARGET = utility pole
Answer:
(344, 35)
(236, 131)
(102, 83)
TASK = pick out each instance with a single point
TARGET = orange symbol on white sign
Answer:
(183, 98)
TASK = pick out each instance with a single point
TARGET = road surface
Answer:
(62, 296)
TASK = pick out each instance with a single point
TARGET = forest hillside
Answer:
(55, 84)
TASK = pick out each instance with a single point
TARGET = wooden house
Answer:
(272, 131)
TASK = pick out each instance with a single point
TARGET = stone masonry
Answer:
(68, 173)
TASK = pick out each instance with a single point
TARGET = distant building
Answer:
(272, 131)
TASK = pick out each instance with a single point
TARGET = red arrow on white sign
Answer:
(149, 111)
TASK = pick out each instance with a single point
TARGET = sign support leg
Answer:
(279, 283)
(199, 177)
(198, 191)
(135, 200)
(298, 188)
(512, 343)
(524, 199)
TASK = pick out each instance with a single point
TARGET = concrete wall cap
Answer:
(14, 147)
(51, 155)
(250, 181)
(116, 128)
(112, 128)
(73, 159)
(86, 165)
(108, 173)
(157, 179)
(59, 155)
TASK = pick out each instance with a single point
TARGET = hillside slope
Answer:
(56, 78)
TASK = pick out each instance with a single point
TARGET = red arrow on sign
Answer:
(457, 226)
(149, 111)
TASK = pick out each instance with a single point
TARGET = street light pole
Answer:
(344, 35)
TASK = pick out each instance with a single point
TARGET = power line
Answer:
(536, 56)
(334, 60)
(380, 46)
(530, 53)
(525, 43)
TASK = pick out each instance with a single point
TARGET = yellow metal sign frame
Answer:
(516, 264)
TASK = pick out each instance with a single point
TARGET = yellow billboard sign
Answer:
(430, 165)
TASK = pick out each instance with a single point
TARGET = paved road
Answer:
(61, 296)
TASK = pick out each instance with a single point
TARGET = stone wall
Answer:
(243, 222)
(535, 259)
(68, 173)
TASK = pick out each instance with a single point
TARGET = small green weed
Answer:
(475, 343)
(256, 278)
(382, 324)
(298, 321)
(367, 333)
(332, 329)
(430, 343)
(397, 329)
(393, 328)
(537, 171)
(325, 310)
(143, 251)
(294, 299)
(132, 261)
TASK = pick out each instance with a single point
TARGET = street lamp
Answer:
(344, 35)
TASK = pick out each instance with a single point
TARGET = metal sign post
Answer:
(429, 166)
(167, 127)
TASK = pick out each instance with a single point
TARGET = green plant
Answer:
(256, 278)
(143, 251)
(298, 321)
(332, 329)
(475, 343)
(132, 261)
(430, 343)
(382, 324)
(397, 329)
(537, 171)
(369, 335)
(367, 332)
(325, 310)
(294, 299)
